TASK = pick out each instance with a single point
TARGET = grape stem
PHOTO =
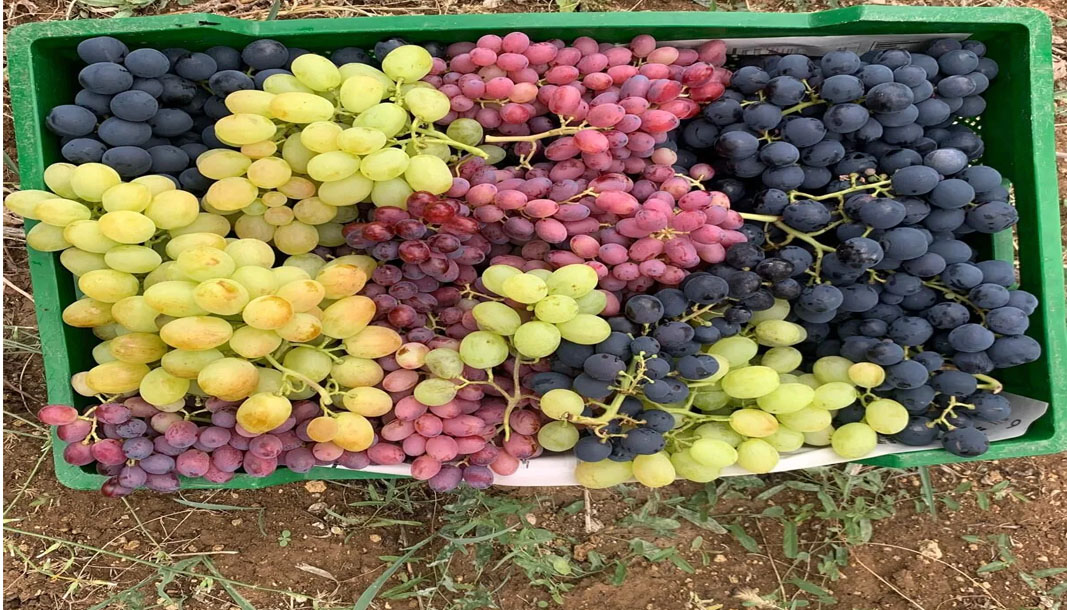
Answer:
(321, 391)
(950, 410)
(950, 294)
(559, 131)
(803, 237)
(991, 384)
(879, 187)
(437, 137)
(632, 376)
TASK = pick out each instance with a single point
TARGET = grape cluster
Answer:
(604, 104)
(138, 445)
(149, 111)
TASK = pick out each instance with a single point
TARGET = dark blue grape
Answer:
(1020, 299)
(697, 367)
(1013, 351)
(644, 309)
(958, 61)
(617, 344)
(542, 383)
(591, 388)
(592, 449)
(128, 161)
(83, 150)
(387, 46)
(657, 420)
(674, 301)
(604, 367)
(954, 383)
(657, 368)
(226, 58)
(917, 433)
(989, 296)
(265, 53)
(225, 82)
(573, 354)
(666, 391)
(196, 66)
(648, 345)
(643, 441)
(71, 121)
(102, 49)
(975, 363)
(965, 442)
(749, 79)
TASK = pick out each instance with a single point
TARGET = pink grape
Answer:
(520, 446)
(219, 477)
(492, 414)
(541, 52)
(164, 482)
(491, 42)
(386, 454)
(106, 451)
(74, 431)
(605, 115)
(447, 479)
(57, 415)
(467, 445)
(399, 381)
(326, 452)
(397, 430)
(305, 409)
(300, 459)
(485, 455)
(132, 477)
(443, 448)
(356, 460)
(463, 425)
(139, 407)
(225, 418)
(112, 413)
(137, 448)
(78, 454)
(226, 459)
(424, 467)
(414, 445)
(162, 446)
(504, 464)
(214, 436)
(515, 42)
(113, 488)
(525, 422)
(256, 466)
(240, 442)
(192, 463)
(568, 56)
(428, 425)
(267, 446)
(478, 477)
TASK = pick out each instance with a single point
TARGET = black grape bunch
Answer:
(858, 174)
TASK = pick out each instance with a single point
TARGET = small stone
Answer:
(930, 549)
(317, 508)
(236, 522)
(218, 547)
(530, 518)
(720, 559)
(315, 487)
(375, 538)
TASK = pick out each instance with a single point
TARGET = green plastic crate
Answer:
(1019, 142)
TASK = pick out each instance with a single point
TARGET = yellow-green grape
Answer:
(299, 107)
(603, 474)
(525, 288)
(175, 298)
(558, 436)
(384, 164)
(159, 387)
(361, 140)
(348, 191)
(267, 313)
(244, 128)
(205, 263)
(785, 439)
(258, 281)
(386, 117)
(86, 313)
(24, 203)
(354, 69)
(173, 209)
(116, 377)
(757, 455)
(156, 183)
(221, 296)
(219, 163)
(432, 149)
(107, 332)
(274, 199)
(108, 285)
(249, 101)
(786, 398)
(309, 362)
(465, 131)
(362, 261)
(886, 416)
(302, 328)
(253, 227)
(352, 372)
(654, 470)
(367, 401)
(808, 419)
(537, 339)
(407, 63)
(428, 173)
(250, 252)
(778, 311)
(251, 343)
(854, 440)
(310, 263)
(585, 329)
(57, 178)
(196, 332)
(279, 217)
(102, 352)
(360, 92)
(205, 222)
(709, 399)
(737, 350)
(135, 314)
(128, 196)
(592, 303)
(428, 105)
(82, 234)
(483, 350)
(834, 395)
(127, 227)
(573, 281)
(231, 194)
(316, 72)
(819, 438)
(354, 432)
(314, 212)
(263, 412)
(391, 193)
(320, 137)
(753, 422)
(372, 342)
(496, 318)
(444, 363)
(91, 180)
(750, 382)
(296, 238)
(47, 238)
(866, 374)
(561, 403)
(303, 295)
(496, 153)
(259, 150)
(335, 165)
(133, 259)
(269, 172)
(77, 381)
(556, 309)
(809, 380)
(435, 392)
(832, 368)
(296, 155)
(691, 470)
(347, 317)
(713, 452)
(782, 359)
(779, 333)
(341, 280)
(495, 276)
(284, 83)
(228, 378)
(61, 212)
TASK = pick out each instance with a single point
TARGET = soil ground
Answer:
(990, 535)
